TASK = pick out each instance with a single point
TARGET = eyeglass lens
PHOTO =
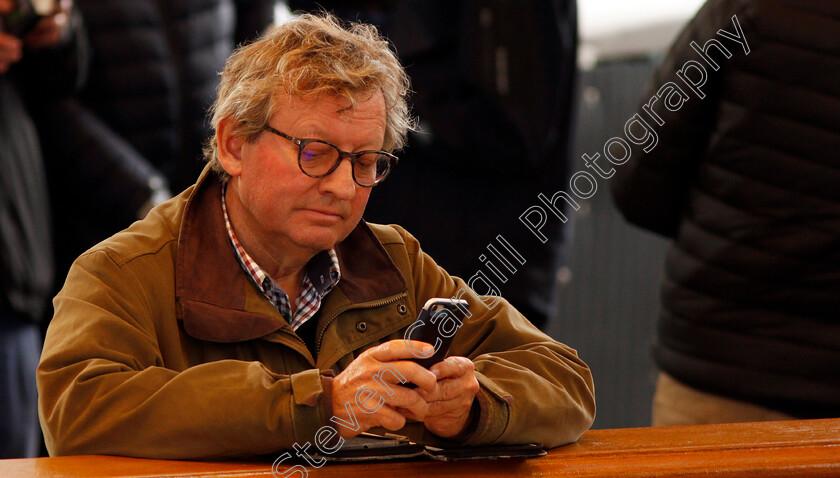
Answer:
(317, 159)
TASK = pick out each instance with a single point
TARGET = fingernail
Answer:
(436, 372)
(427, 348)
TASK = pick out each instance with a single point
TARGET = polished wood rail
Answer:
(769, 449)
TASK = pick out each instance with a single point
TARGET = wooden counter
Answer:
(769, 449)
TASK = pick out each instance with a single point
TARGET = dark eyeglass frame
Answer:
(302, 143)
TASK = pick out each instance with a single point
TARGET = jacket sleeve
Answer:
(651, 189)
(104, 388)
(533, 388)
(97, 166)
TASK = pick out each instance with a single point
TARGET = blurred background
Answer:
(608, 292)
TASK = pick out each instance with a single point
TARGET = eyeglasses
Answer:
(318, 158)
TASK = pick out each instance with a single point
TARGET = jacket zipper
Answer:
(298, 339)
(365, 305)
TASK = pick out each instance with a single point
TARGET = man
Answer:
(256, 307)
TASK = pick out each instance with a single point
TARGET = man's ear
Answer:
(229, 147)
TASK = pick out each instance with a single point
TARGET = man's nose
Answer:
(340, 182)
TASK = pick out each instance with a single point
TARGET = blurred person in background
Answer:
(745, 182)
(36, 65)
(135, 132)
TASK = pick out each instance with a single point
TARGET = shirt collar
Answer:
(322, 274)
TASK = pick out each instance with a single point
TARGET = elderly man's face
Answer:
(283, 208)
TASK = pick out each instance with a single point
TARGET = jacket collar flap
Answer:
(367, 271)
(211, 289)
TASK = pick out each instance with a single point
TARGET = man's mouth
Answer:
(325, 213)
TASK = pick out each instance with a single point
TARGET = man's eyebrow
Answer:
(309, 131)
(319, 133)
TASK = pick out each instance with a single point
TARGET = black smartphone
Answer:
(436, 324)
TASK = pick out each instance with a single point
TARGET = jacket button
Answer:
(402, 309)
(361, 326)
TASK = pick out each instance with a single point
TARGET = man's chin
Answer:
(317, 239)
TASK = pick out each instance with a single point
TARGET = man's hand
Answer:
(450, 401)
(373, 392)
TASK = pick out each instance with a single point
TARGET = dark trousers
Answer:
(20, 350)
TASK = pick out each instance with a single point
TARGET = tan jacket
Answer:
(161, 347)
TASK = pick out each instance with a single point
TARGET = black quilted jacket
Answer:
(747, 183)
